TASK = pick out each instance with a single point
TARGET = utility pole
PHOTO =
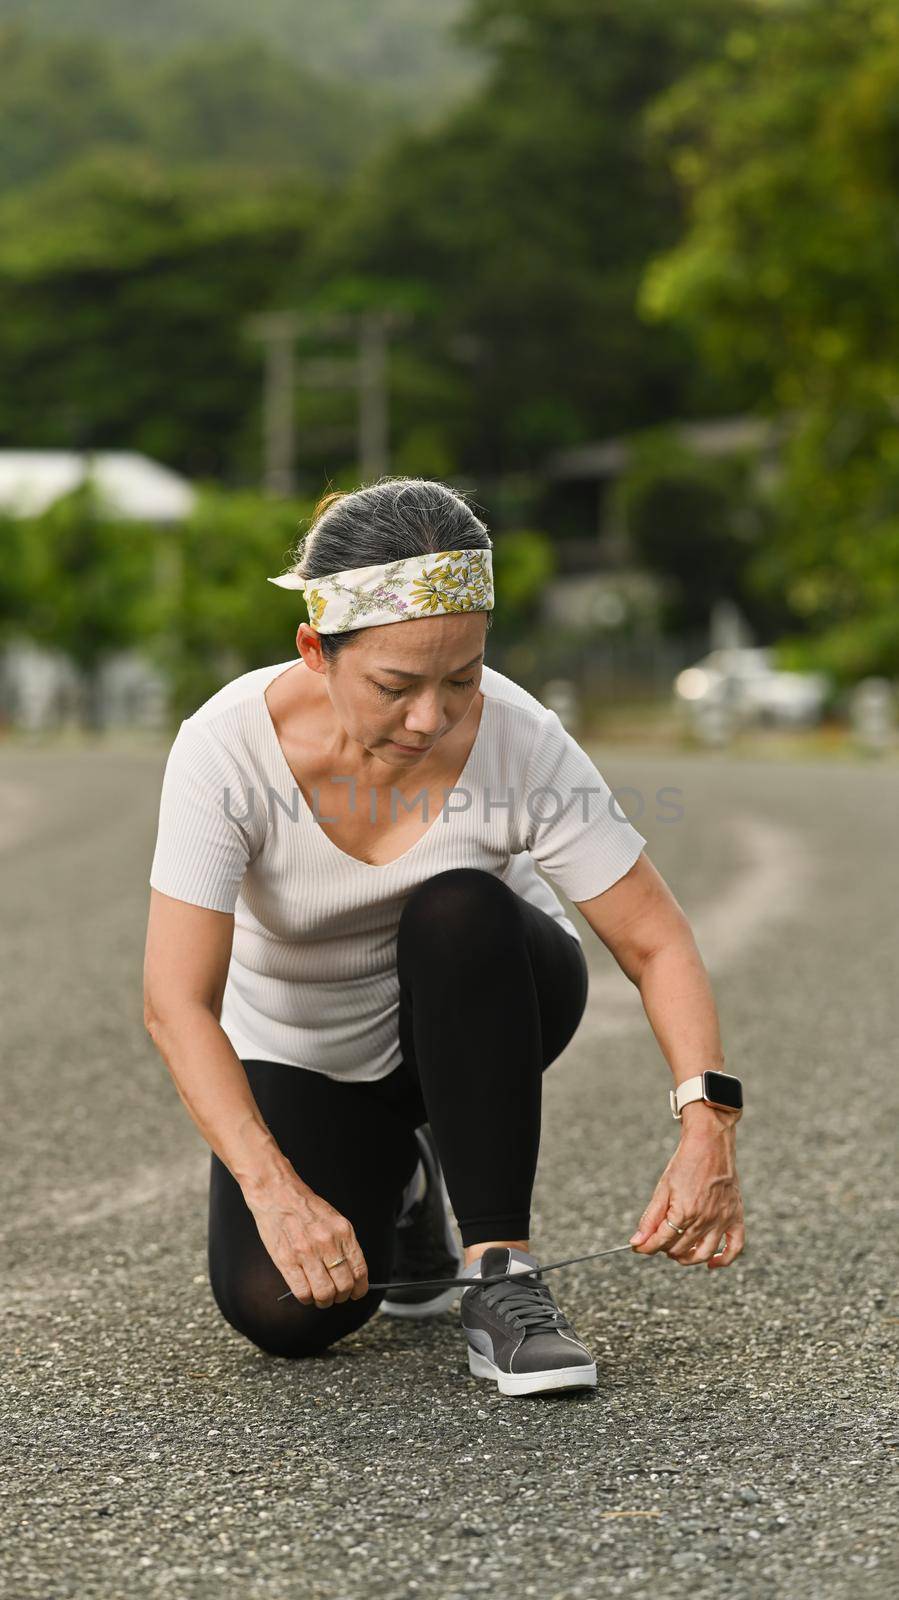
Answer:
(374, 330)
(278, 332)
(374, 423)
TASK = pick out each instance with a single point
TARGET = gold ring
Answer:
(335, 1263)
(673, 1225)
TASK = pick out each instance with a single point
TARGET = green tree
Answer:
(785, 151)
(218, 616)
(56, 101)
(400, 50)
(232, 104)
(524, 561)
(13, 578)
(529, 213)
(698, 524)
(82, 578)
(124, 295)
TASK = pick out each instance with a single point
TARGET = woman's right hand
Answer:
(301, 1231)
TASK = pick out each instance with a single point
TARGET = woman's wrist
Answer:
(700, 1118)
(264, 1169)
(279, 1182)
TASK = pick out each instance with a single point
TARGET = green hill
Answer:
(402, 47)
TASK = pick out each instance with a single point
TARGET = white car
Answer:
(744, 682)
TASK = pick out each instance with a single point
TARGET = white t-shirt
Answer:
(312, 978)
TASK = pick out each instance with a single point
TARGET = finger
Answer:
(688, 1242)
(343, 1281)
(650, 1221)
(355, 1265)
(345, 1276)
(665, 1238)
(299, 1286)
(736, 1242)
(320, 1280)
(359, 1268)
(351, 1276)
(704, 1248)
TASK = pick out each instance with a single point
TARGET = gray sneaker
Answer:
(516, 1332)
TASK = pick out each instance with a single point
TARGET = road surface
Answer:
(741, 1435)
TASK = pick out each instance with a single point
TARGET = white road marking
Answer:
(773, 880)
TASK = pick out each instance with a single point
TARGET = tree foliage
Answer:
(638, 213)
(401, 52)
(698, 524)
(231, 104)
(785, 150)
(530, 213)
(124, 297)
(218, 616)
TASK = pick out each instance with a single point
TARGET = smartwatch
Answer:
(720, 1089)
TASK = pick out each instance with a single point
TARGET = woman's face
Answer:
(403, 683)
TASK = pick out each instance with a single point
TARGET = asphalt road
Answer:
(740, 1440)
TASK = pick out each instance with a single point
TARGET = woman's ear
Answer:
(309, 647)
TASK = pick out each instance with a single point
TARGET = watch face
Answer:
(723, 1089)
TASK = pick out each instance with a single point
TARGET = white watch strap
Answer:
(690, 1089)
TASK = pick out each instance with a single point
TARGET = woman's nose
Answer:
(426, 716)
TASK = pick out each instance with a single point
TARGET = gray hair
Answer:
(385, 521)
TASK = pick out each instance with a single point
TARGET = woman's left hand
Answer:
(698, 1192)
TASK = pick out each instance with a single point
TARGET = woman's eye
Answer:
(394, 694)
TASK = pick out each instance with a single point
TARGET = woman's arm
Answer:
(212, 1084)
(185, 969)
(186, 960)
(641, 923)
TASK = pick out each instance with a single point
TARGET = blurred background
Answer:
(624, 274)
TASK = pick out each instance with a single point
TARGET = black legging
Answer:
(491, 991)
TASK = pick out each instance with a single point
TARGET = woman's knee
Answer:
(287, 1328)
(463, 902)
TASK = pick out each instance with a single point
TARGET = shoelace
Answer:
(529, 1306)
(501, 1277)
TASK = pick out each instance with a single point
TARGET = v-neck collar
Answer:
(370, 866)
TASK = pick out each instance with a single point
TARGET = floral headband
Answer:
(421, 586)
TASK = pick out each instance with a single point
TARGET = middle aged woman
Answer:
(357, 999)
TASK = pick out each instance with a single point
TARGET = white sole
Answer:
(532, 1382)
(424, 1308)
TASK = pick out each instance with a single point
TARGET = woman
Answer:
(357, 993)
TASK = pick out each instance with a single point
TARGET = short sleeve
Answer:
(574, 827)
(204, 840)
